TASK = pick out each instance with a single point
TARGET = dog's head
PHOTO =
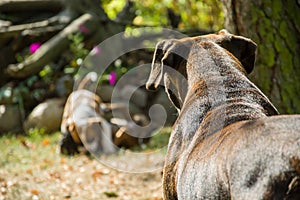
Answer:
(174, 53)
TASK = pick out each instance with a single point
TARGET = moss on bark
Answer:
(275, 27)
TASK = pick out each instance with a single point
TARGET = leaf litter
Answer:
(32, 169)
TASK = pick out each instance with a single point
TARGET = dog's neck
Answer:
(220, 92)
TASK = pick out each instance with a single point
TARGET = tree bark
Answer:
(275, 27)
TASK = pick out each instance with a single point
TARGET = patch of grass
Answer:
(32, 168)
(159, 140)
(18, 152)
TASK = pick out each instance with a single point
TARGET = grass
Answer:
(23, 159)
(32, 168)
(159, 140)
(23, 151)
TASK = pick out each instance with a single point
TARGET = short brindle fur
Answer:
(228, 141)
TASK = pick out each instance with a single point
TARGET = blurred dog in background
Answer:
(88, 122)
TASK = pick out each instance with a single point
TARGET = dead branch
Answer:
(52, 48)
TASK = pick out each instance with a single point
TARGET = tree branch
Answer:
(52, 48)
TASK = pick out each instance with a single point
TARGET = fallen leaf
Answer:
(25, 144)
(28, 145)
(111, 181)
(55, 175)
(97, 174)
(45, 142)
(34, 192)
(48, 162)
(29, 171)
(111, 194)
(67, 197)
(62, 160)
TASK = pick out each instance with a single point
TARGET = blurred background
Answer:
(44, 42)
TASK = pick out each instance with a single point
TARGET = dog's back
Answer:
(237, 150)
(256, 159)
(226, 143)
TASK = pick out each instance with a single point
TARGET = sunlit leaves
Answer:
(195, 14)
(112, 8)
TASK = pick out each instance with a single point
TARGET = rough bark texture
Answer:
(275, 27)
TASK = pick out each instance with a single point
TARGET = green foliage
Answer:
(159, 140)
(195, 14)
(22, 55)
(18, 151)
(206, 14)
(18, 93)
(47, 73)
(36, 133)
(78, 53)
(77, 46)
(112, 8)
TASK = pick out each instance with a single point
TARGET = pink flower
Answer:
(96, 50)
(112, 78)
(83, 29)
(34, 47)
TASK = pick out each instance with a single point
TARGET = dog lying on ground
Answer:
(83, 122)
(87, 120)
(228, 141)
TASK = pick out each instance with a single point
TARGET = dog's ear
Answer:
(176, 88)
(170, 88)
(242, 48)
(156, 68)
(172, 53)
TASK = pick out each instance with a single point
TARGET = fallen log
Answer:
(52, 48)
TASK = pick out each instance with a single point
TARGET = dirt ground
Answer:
(33, 169)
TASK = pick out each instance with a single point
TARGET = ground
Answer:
(32, 168)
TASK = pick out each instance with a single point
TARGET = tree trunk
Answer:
(275, 27)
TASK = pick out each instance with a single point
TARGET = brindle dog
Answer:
(88, 120)
(228, 141)
(83, 123)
